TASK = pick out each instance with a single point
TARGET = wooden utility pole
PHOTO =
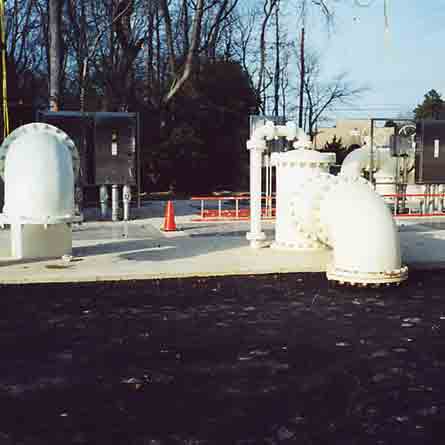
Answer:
(300, 109)
(55, 56)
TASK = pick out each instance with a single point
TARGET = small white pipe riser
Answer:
(115, 202)
(126, 198)
(103, 197)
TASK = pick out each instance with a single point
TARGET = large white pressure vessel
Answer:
(294, 169)
(40, 163)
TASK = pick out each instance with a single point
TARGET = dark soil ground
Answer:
(243, 360)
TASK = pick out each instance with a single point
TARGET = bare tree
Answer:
(219, 21)
(25, 48)
(321, 96)
(268, 8)
(152, 52)
(55, 54)
(181, 75)
(244, 42)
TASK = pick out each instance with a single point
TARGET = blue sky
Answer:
(399, 72)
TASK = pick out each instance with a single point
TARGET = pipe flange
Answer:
(312, 246)
(357, 277)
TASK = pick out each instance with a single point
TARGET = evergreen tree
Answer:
(432, 106)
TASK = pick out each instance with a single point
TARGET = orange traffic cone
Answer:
(169, 218)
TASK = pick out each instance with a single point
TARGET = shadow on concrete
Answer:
(421, 249)
(169, 251)
(115, 247)
(116, 231)
(164, 248)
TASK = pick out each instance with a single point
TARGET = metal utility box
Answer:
(430, 152)
(115, 136)
(108, 144)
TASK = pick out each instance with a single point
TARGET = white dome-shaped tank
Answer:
(39, 166)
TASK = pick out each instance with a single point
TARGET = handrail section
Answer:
(238, 213)
(268, 211)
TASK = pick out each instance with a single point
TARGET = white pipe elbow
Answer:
(266, 131)
(362, 233)
(355, 162)
(386, 175)
(260, 135)
(256, 144)
(303, 140)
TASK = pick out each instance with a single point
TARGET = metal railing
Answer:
(402, 205)
(238, 210)
(426, 204)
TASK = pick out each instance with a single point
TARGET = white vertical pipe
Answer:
(436, 198)
(270, 187)
(103, 197)
(433, 198)
(115, 202)
(266, 164)
(255, 236)
(257, 145)
(442, 190)
(429, 200)
(126, 198)
(17, 240)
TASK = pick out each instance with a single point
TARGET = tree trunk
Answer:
(55, 56)
(149, 70)
(302, 68)
(165, 12)
(277, 62)
(261, 89)
(191, 55)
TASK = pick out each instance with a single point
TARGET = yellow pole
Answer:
(4, 70)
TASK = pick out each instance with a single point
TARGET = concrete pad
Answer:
(138, 249)
(160, 256)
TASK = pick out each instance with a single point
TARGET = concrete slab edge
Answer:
(54, 279)
(64, 279)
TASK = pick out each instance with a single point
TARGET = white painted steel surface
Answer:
(385, 169)
(103, 198)
(256, 236)
(126, 199)
(294, 170)
(39, 174)
(318, 211)
(257, 145)
(39, 164)
(362, 232)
